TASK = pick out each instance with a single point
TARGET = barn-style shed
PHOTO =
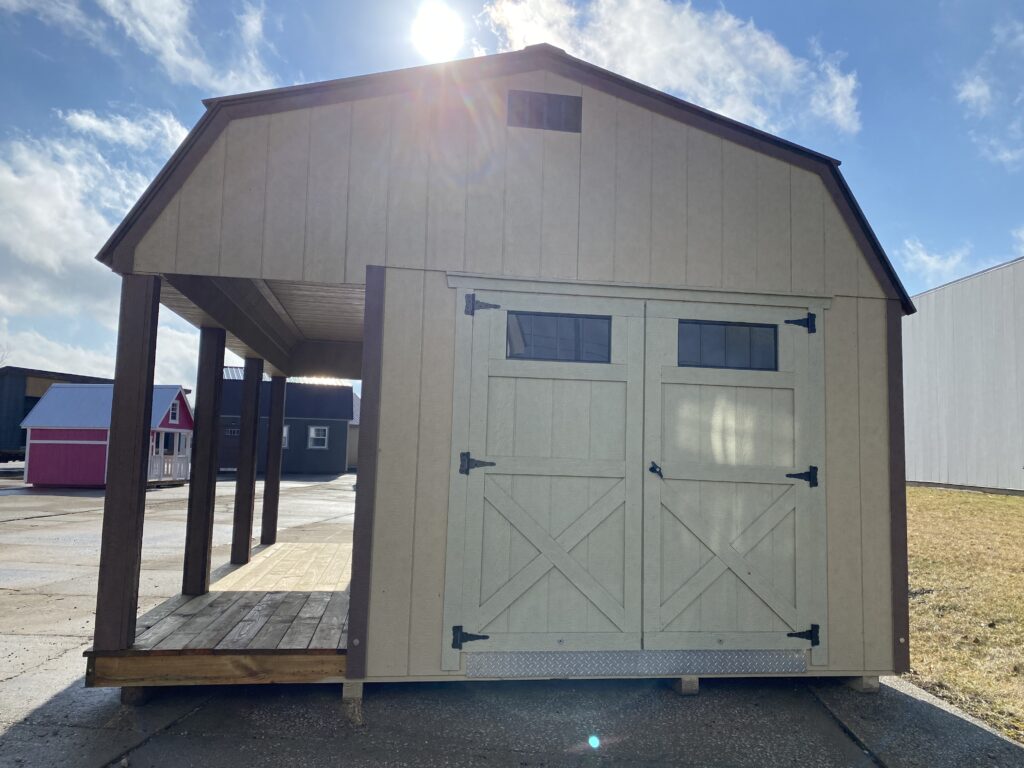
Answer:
(68, 434)
(631, 378)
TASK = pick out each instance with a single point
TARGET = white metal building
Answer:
(964, 381)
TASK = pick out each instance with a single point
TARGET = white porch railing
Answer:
(168, 468)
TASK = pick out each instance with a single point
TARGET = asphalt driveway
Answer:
(49, 547)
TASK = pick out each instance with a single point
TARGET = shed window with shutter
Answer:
(561, 337)
(750, 346)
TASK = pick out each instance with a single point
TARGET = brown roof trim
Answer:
(118, 250)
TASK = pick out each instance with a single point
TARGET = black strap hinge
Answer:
(467, 462)
(459, 636)
(472, 304)
(811, 476)
(811, 634)
(806, 322)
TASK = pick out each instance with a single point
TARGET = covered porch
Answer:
(279, 612)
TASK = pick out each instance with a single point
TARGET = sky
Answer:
(923, 103)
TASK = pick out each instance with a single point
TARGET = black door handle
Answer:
(655, 470)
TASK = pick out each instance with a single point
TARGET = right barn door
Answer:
(734, 510)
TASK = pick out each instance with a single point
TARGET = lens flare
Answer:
(437, 32)
(594, 742)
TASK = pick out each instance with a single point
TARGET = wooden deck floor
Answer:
(290, 596)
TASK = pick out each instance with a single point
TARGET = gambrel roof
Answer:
(117, 252)
(88, 406)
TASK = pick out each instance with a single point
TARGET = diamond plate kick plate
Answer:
(631, 663)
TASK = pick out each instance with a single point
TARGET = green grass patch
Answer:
(966, 554)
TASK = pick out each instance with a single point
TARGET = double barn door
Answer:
(632, 474)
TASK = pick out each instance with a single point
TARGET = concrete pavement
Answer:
(49, 546)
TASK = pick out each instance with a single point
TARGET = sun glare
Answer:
(437, 31)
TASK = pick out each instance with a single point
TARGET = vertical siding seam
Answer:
(176, 201)
(392, 100)
(650, 199)
(721, 213)
(305, 208)
(416, 469)
(223, 196)
(543, 175)
(266, 187)
(579, 193)
(348, 194)
(686, 217)
(504, 177)
(860, 486)
(426, 211)
(464, 116)
(757, 220)
(789, 173)
(615, 189)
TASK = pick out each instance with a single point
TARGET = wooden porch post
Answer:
(202, 484)
(117, 597)
(245, 478)
(272, 478)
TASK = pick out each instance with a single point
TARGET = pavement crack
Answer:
(121, 758)
(850, 733)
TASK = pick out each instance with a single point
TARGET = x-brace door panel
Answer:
(734, 530)
(553, 517)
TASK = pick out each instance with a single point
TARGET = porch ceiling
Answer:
(299, 329)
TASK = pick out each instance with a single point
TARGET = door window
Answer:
(710, 344)
(565, 338)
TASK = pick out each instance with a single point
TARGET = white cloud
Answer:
(1005, 150)
(163, 29)
(60, 198)
(975, 93)
(177, 350)
(1018, 242)
(712, 58)
(992, 94)
(153, 128)
(30, 349)
(933, 267)
(65, 14)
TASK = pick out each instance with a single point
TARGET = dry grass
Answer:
(967, 601)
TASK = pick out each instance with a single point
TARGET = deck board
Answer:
(290, 596)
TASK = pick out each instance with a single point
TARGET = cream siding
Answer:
(434, 180)
(411, 515)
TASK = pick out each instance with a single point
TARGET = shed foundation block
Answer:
(686, 686)
(866, 684)
(136, 696)
(352, 702)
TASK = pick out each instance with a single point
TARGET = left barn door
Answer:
(547, 491)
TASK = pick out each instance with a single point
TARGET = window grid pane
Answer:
(566, 338)
(743, 346)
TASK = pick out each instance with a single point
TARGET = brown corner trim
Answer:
(897, 491)
(366, 480)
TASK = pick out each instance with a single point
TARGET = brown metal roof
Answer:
(116, 252)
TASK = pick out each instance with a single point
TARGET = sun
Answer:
(437, 31)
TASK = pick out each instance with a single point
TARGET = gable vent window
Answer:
(548, 111)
